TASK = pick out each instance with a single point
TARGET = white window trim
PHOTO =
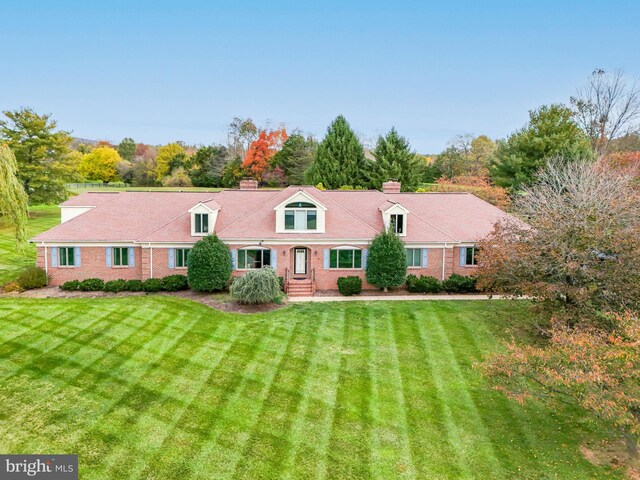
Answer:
(251, 248)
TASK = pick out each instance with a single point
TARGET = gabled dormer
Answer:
(203, 218)
(394, 217)
(300, 213)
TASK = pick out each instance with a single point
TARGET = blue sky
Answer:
(162, 71)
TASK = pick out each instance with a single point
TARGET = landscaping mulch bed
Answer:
(219, 302)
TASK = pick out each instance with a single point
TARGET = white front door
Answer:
(300, 261)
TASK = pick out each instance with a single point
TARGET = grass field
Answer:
(42, 217)
(80, 189)
(159, 387)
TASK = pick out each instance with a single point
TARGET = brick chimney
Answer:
(391, 186)
(248, 184)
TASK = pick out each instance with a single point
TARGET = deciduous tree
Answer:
(607, 107)
(169, 156)
(101, 164)
(257, 159)
(13, 199)
(295, 157)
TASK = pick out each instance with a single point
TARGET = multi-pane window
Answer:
(182, 255)
(300, 216)
(66, 256)
(470, 256)
(345, 259)
(254, 259)
(414, 257)
(397, 223)
(202, 223)
(120, 256)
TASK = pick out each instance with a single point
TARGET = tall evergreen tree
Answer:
(340, 158)
(394, 159)
(550, 133)
(295, 157)
(207, 166)
(13, 199)
(42, 153)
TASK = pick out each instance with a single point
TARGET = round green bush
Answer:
(387, 261)
(256, 286)
(459, 284)
(32, 277)
(70, 286)
(115, 286)
(424, 284)
(133, 285)
(91, 285)
(209, 265)
(173, 283)
(350, 285)
(152, 285)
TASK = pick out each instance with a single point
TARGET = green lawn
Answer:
(42, 217)
(80, 189)
(159, 387)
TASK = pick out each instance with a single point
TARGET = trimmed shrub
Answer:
(350, 285)
(70, 286)
(459, 284)
(281, 282)
(91, 285)
(115, 286)
(152, 285)
(133, 285)
(387, 261)
(173, 283)
(209, 265)
(256, 286)
(32, 277)
(423, 284)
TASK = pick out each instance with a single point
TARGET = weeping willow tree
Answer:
(13, 198)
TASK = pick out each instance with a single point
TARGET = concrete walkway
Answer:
(386, 298)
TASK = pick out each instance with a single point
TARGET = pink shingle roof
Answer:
(249, 214)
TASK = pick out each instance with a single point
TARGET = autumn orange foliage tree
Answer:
(594, 369)
(257, 160)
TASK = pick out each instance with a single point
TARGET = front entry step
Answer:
(300, 288)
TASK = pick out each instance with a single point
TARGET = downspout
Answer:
(46, 263)
(150, 261)
(444, 255)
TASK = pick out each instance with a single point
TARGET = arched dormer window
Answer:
(300, 216)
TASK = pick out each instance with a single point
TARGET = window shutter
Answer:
(425, 257)
(365, 253)
(76, 255)
(172, 258)
(107, 252)
(234, 259)
(274, 259)
(54, 256)
(326, 259)
(463, 256)
(132, 257)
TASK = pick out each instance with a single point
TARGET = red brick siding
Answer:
(92, 265)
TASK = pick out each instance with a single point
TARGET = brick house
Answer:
(309, 236)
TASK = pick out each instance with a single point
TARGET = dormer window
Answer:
(300, 216)
(201, 223)
(396, 223)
